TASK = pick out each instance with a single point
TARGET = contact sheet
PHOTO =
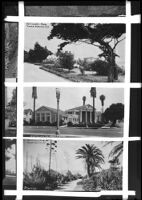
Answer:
(72, 101)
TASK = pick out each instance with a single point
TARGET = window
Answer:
(38, 117)
(42, 117)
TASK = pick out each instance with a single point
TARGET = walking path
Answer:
(33, 73)
(71, 186)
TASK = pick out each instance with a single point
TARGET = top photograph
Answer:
(98, 9)
(74, 52)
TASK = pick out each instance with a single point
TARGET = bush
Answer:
(102, 67)
(66, 60)
(69, 124)
(111, 179)
(106, 180)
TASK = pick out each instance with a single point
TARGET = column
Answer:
(40, 116)
(90, 117)
(81, 116)
(86, 117)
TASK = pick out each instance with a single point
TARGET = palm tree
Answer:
(93, 95)
(93, 157)
(34, 96)
(102, 98)
(84, 99)
(117, 150)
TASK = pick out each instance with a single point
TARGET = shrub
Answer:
(66, 60)
(106, 180)
(70, 124)
(111, 179)
(101, 67)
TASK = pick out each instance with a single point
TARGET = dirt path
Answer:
(71, 186)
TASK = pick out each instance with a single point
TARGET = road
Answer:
(9, 182)
(33, 73)
(72, 132)
(71, 186)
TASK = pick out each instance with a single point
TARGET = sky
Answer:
(65, 157)
(72, 97)
(35, 34)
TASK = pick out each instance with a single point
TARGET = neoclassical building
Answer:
(47, 114)
(81, 114)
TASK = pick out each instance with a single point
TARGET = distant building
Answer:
(28, 115)
(47, 114)
(81, 114)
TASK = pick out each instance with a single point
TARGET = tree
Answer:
(8, 145)
(66, 60)
(93, 95)
(114, 112)
(38, 54)
(102, 98)
(104, 36)
(11, 109)
(84, 99)
(93, 157)
(100, 66)
(117, 150)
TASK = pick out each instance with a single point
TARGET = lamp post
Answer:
(58, 98)
(34, 96)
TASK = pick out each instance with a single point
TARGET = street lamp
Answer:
(58, 98)
(34, 96)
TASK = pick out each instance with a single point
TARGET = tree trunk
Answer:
(112, 73)
(115, 73)
(88, 171)
(113, 123)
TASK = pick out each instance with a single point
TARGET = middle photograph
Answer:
(73, 112)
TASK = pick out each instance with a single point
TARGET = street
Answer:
(71, 186)
(72, 132)
(9, 182)
(33, 73)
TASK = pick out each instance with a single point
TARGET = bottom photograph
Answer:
(72, 165)
(9, 164)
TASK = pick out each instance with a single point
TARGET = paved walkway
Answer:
(33, 73)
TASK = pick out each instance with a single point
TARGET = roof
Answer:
(26, 111)
(83, 107)
(45, 108)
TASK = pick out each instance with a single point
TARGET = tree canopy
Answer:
(114, 112)
(104, 36)
(38, 54)
(93, 157)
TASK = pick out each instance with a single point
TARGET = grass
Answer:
(78, 77)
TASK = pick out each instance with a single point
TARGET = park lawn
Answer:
(76, 77)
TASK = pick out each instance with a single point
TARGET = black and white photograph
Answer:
(69, 52)
(9, 180)
(11, 51)
(10, 111)
(73, 112)
(108, 10)
(57, 165)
